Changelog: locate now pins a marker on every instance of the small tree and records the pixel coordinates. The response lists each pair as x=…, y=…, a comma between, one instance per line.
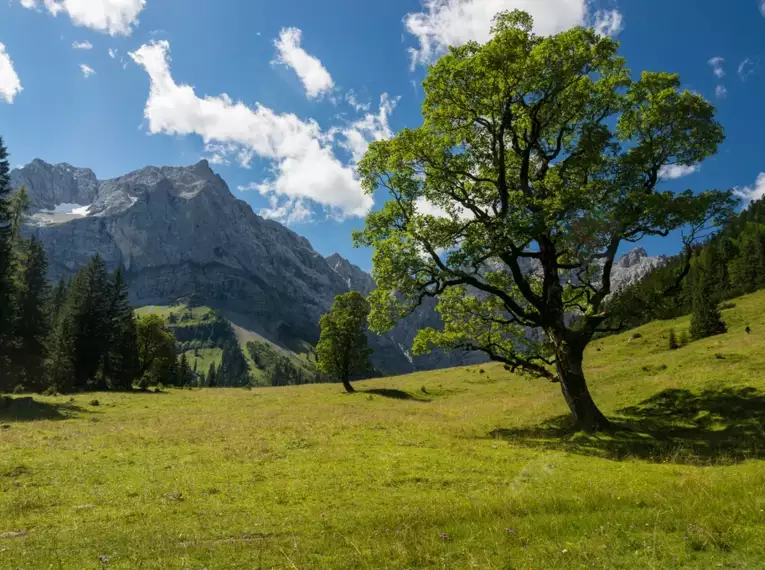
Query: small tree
x=537, y=159
x=156, y=350
x=673, y=344
x=706, y=319
x=342, y=349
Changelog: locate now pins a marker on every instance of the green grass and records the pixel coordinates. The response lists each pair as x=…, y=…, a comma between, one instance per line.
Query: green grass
x=446, y=469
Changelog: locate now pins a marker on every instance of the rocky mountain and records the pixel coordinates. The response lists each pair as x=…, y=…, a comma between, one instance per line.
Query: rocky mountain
x=180, y=235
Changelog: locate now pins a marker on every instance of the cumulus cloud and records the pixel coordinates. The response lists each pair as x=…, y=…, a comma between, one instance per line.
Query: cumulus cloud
x=115, y=17
x=10, y=85
x=751, y=193
x=316, y=79
x=442, y=23
x=718, y=68
x=82, y=45
x=721, y=92
x=674, y=171
x=87, y=71
x=305, y=170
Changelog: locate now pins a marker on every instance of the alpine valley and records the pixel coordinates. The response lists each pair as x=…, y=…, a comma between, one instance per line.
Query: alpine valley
x=181, y=237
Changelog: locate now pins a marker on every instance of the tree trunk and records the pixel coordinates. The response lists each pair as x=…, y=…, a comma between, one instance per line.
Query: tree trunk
x=574, y=386
x=347, y=386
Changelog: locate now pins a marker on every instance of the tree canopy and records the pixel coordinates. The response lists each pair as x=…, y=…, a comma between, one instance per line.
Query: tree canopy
x=538, y=157
x=342, y=349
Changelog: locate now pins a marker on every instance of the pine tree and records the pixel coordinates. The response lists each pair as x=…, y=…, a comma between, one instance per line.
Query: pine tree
x=121, y=357
x=59, y=296
x=91, y=294
x=706, y=319
x=184, y=372
x=80, y=340
x=33, y=323
x=7, y=292
x=211, y=380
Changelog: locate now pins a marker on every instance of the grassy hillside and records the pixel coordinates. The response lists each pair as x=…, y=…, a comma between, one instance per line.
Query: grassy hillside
x=460, y=468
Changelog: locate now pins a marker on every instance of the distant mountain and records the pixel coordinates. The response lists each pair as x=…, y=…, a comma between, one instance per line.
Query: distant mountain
x=181, y=236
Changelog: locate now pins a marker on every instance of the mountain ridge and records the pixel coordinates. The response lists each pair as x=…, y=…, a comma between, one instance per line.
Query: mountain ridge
x=180, y=235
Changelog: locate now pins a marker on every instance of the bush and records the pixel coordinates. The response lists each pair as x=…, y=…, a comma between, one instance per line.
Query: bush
x=673, y=344
x=19, y=389
x=684, y=339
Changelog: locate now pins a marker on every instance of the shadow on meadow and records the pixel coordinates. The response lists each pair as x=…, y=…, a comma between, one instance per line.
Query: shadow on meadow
x=392, y=393
x=28, y=409
x=676, y=426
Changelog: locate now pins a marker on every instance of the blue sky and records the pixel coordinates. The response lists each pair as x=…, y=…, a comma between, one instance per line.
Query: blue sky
x=284, y=96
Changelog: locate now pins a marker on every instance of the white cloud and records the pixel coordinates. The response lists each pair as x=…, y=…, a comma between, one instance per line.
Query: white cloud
x=608, y=22
x=717, y=64
x=82, y=45
x=115, y=17
x=304, y=166
x=351, y=99
x=112, y=53
x=746, y=68
x=674, y=171
x=442, y=23
x=721, y=92
x=10, y=84
x=87, y=71
x=750, y=193
x=762, y=7
x=316, y=79
x=371, y=127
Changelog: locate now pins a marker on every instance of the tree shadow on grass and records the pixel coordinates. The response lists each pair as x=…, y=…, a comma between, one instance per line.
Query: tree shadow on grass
x=395, y=394
x=27, y=409
x=720, y=426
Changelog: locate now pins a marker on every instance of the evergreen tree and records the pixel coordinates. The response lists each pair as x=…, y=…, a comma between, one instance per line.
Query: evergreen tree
x=59, y=296
x=706, y=319
x=82, y=332
x=184, y=372
x=90, y=293
x=7, y=292
x=342, y=347
x=33, y=323
x=121, y=357
x=211, y=380
x=124, y=353
x=233, y=369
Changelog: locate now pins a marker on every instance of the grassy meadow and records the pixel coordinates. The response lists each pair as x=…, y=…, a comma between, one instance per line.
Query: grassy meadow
x=463, y=468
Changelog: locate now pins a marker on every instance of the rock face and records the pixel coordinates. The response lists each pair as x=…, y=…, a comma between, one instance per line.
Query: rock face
x=180, y=235
x=634, y=266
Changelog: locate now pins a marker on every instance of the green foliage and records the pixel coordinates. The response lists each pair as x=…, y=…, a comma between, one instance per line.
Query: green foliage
x=533, y=149
x=706, y=319
x=7, y=289
x=280, y=369
x=156, y=351
x=34, y=320
x=673, y=343
x=342, y=349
